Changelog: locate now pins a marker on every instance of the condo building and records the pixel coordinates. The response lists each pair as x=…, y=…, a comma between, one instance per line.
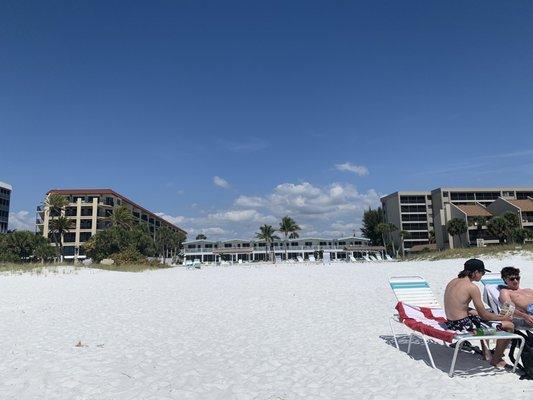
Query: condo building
x=474, y=205
x=235, y=250
x=5, y=198
x=89, y=210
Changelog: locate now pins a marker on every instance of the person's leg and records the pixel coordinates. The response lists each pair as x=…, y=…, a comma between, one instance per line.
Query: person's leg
x=501, y=345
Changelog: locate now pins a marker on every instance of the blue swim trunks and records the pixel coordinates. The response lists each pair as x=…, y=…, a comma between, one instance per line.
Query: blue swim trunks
x=530, y=309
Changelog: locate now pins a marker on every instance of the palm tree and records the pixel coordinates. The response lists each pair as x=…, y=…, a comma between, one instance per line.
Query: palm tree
x=201, y=236
x=385, y=229
x=294, y=235
x=266, y=233
x=403, y=235
x=122, y=217
x=457, y=227
x=56, y=203
x=288, y=226
x=59, y=226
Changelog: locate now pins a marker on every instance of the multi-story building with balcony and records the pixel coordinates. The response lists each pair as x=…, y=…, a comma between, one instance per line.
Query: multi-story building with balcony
x=5, y=199
x=257, y=250
x=410, y=212
x=444, y=203
x=89, y=210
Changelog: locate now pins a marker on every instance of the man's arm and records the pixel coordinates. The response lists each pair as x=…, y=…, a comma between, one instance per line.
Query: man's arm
x=475, y=294
x=505, y=296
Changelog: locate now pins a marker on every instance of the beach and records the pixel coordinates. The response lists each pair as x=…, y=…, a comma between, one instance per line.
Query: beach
x=285, y=331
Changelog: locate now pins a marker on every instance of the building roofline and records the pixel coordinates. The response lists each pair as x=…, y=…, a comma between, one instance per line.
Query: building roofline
x=6, y=186
x=111, y=192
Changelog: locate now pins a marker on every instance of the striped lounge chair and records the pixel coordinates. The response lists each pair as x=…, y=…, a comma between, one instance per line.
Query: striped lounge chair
x=419, y=310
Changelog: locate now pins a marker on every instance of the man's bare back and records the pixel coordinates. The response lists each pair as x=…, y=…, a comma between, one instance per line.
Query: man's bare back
x=457, y=297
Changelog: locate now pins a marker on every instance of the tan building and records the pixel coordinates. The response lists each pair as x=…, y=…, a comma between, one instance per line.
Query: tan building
x=406, y=210
x=90, y=210
x=411, y=212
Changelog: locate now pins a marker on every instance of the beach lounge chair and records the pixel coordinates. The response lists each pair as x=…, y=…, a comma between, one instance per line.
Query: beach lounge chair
x=372, y=258
x=378, y=257
x=388, y=258
x=196, y=263
x=353, y=259
x=366, y=258
x=188, y=264
x=419, y=310
x=300, y=259
x=312, y=259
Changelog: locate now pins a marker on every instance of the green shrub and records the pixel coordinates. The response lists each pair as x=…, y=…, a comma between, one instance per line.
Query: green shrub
x=129, y=255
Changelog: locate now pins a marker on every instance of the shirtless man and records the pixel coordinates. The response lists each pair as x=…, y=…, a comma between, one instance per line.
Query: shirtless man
x=521, y=298
x=458, y=295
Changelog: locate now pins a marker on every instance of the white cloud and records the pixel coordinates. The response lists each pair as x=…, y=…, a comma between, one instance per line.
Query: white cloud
x=360, y=170
x=22, y=221
x=331, y=210
x=250, y=202
x=220, y=182
x=177, y=220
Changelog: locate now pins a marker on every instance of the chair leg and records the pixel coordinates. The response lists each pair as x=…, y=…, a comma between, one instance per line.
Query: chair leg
x=410, y=340
x=429, y=352
x=393, y=333
x=454, y=359
x=522, y=343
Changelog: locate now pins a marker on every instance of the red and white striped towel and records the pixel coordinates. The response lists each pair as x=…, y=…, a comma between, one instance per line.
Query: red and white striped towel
x=429, y=321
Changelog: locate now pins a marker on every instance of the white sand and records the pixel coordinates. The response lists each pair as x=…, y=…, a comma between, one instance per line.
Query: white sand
x=259, y=332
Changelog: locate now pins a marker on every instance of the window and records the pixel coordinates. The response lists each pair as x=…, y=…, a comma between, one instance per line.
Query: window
x=208, y=246
x=86, y=224
x=415, y=226
x=69, y=237
x=84, y=236
x=308, y=243
x=342, y=243
x=144, y=217
x=70, y=211
x=414, y=209
x=86, y=211
x=294, y=244
x=109, y=201
x=69, y=250
x=227, y=245
x=323, y=243
x=152, y=221
x=413, y=199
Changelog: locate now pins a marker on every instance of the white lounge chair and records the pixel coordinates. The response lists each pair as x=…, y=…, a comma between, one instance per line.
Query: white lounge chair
x=372, y=258
x=378, y=257
x=239, y=261
x=388, y=258
x=196, y=263
x=353, y=259
x=366, y=258
x=312, y=259
x=188, y=264
x=300, y=259
x=415, y=302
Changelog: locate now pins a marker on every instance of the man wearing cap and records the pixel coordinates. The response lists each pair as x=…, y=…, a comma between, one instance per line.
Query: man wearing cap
x=457, y=297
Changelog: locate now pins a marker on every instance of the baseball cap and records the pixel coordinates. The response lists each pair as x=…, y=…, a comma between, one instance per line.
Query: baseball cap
x=475, y=265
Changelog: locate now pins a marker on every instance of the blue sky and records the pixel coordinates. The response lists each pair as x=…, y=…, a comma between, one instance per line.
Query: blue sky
x=226, y=115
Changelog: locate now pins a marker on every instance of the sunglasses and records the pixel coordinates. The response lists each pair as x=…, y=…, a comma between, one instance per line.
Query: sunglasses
x=513, y=278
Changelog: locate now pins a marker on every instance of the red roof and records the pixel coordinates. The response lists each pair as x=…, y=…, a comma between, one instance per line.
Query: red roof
x=88, y=192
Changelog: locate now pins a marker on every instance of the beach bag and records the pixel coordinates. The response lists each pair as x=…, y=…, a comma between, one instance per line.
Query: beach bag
x=527, y=354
